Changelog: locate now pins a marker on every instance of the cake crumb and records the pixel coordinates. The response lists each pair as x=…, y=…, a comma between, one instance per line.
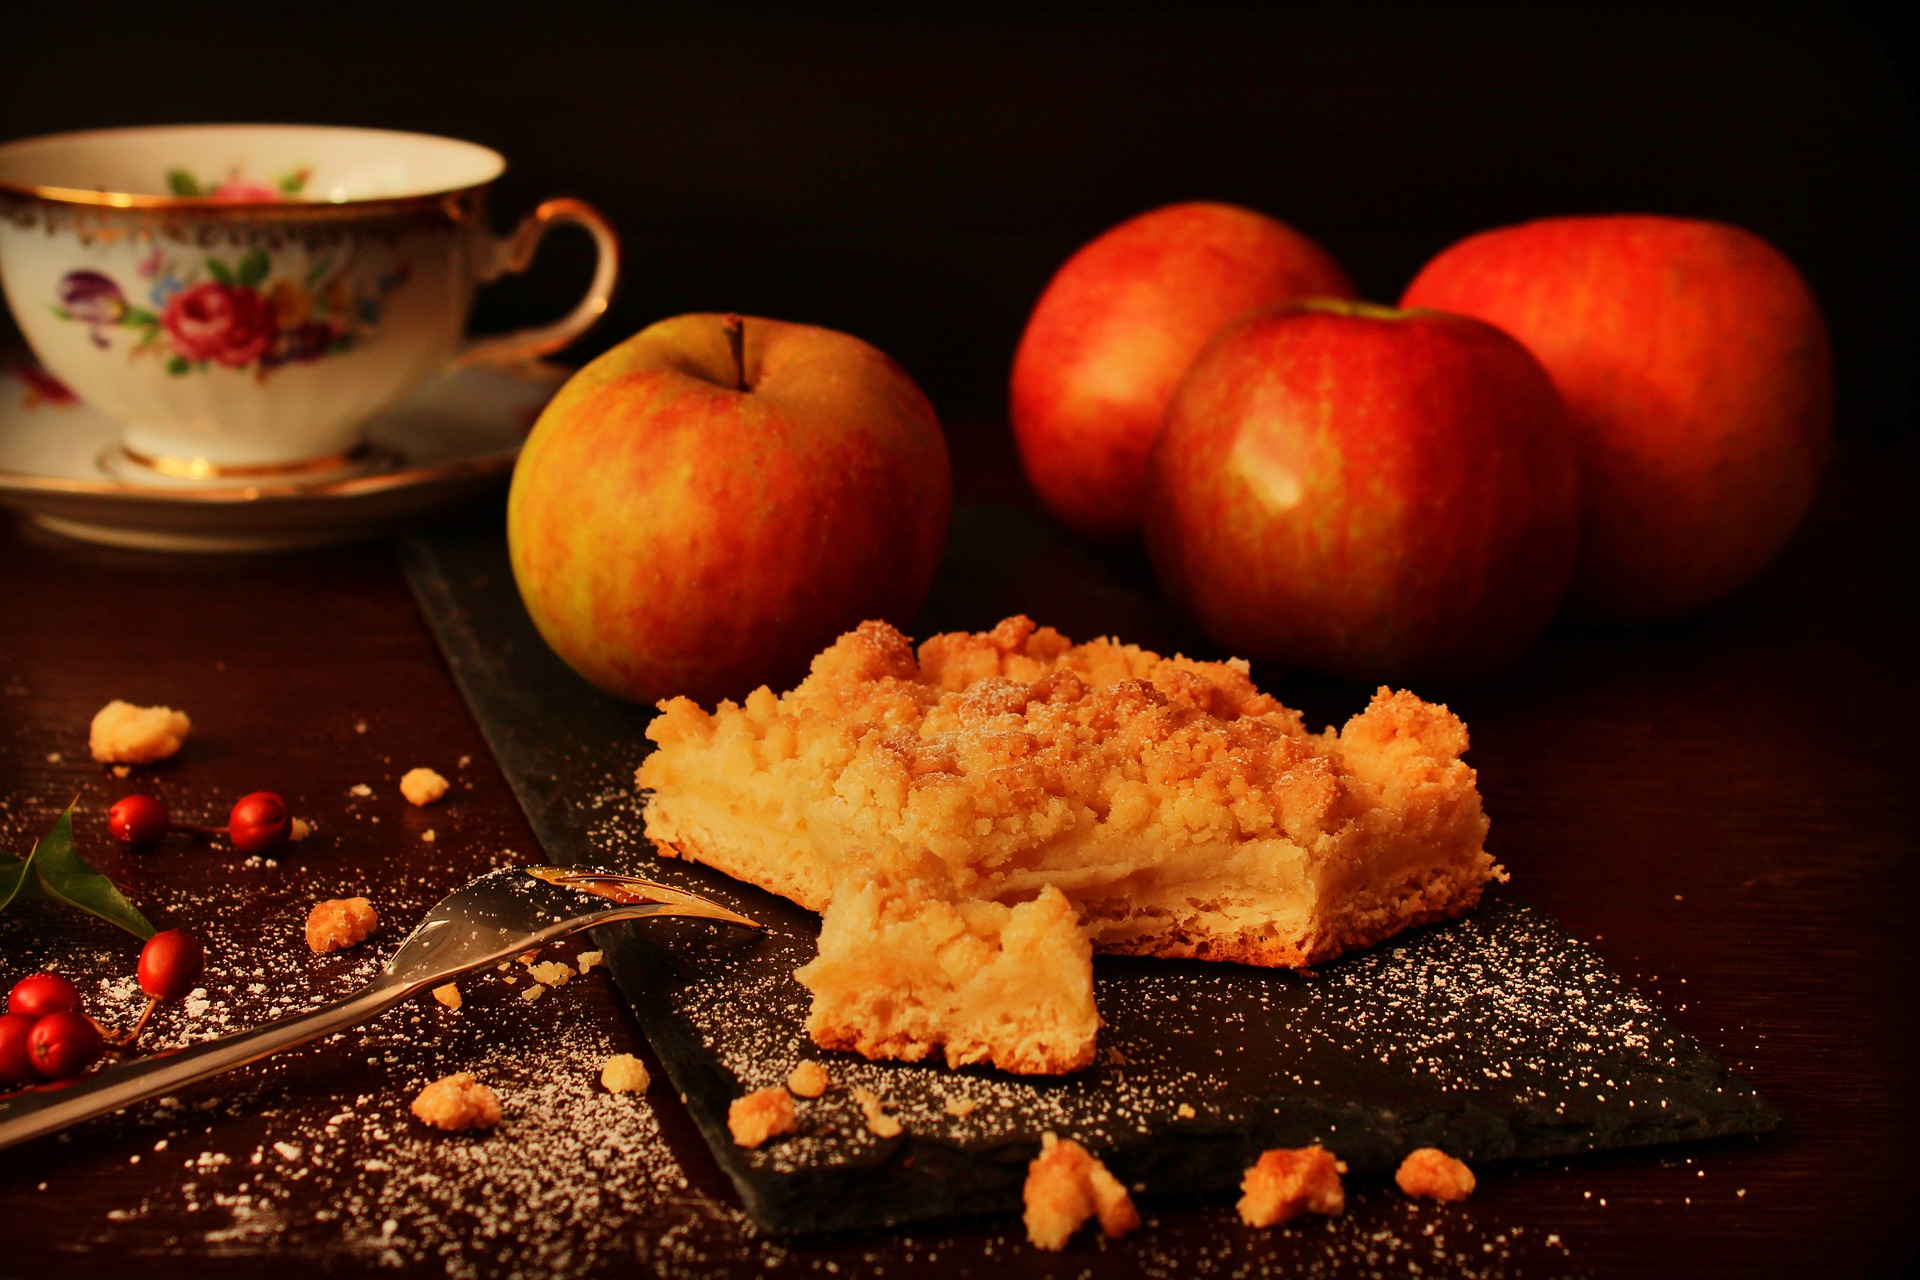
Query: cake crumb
x=533, y=993
x=588, y=959
x=359, y=789
x=761, y=1115
x=960, y=1108
x=1066, y=1186
x=1185, y=1111
x=448, y=995
x=879, y=1123
x=300, y=830
x=122, y=733
x=554, y=973
x=807, y=1080
x=426, y=836
x=457, y=1102
x=1435, y=1175
x=122, y=770
x=422, y=786
x=624, y=1073
x=340, y=922
x=1289, y=1181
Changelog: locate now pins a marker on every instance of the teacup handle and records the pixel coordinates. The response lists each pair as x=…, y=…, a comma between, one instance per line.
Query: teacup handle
x=514, y=253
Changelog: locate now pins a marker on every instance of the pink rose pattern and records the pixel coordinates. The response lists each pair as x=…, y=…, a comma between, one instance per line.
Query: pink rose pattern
x=216, y=312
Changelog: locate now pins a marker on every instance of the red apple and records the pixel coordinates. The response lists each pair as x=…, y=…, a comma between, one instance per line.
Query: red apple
x=1116, y=328
x=1378, y=494
x=702, y=509
x=1693, y=361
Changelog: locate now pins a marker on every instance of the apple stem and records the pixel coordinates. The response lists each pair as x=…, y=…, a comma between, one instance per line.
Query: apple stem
x=737, y=343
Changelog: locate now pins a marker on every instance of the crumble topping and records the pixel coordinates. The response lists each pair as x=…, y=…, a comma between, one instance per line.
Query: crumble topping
x=340, y=922
x=808, y=1080
x=422, y=786
x=760, y=1116
x=458, y=1101
x=1289, y=1181
x=122, y=733
x=1066, y=1186
x=448, y=995
x=1432, y=1173
x=300, y=830
x=879, y=1123
x=552, y=973
x=625, y=1073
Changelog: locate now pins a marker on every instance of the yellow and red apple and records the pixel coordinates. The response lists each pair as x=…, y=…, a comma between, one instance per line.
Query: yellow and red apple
x=1694, y=364
x=708, y=504
x=1373, y=493
x=1116, y=328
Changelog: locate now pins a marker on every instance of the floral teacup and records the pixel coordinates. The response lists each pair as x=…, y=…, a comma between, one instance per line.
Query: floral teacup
x=245, y=297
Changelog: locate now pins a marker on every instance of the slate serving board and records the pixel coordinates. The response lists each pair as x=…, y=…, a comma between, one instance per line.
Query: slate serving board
x=1496, y=1036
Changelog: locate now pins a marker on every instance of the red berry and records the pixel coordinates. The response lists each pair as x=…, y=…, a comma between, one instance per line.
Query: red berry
x=259, y=822
x=39, y=994
x=16, y=1067
x=170, y=964
x=138, y=820
x=62, y=1045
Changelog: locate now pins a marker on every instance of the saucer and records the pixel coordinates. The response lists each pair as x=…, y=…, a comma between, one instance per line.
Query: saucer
x=456, y=436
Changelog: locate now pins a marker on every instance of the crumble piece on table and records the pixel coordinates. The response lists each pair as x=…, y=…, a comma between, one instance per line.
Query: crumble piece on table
x=1289, y=1181
x=458, y=1101
x=808, y=1080
x=422, y=786
x=339, y=923
x=124, y=734
x=1433, y=1174
x=1066, y=1186
x=624, y=1073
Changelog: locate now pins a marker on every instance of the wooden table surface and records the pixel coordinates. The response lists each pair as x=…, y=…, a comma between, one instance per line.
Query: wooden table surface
x=1723, y=806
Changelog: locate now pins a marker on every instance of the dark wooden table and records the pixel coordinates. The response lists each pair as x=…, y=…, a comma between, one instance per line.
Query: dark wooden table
x=1724, y=807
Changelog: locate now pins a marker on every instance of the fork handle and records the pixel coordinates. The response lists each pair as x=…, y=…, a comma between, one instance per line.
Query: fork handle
x=35, y=1112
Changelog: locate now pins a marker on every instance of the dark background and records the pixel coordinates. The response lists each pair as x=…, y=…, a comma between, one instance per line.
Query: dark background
x=915, y=181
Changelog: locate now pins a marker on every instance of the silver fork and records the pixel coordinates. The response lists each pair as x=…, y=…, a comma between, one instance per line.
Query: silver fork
x=495, y=918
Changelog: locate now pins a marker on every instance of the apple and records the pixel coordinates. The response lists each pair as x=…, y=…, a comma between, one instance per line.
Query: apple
x=710, y=503
x=1373, y=493
x=1116, y=328
x=1693, y=360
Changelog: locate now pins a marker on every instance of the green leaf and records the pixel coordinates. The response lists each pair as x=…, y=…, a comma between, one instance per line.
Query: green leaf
x=218, y=270
x=13, y=877
x=181, y=183
x=294, y=182
x=61, y=312
x=65, y=878
x=138, y=319
x=253, y=267
x=178, y=365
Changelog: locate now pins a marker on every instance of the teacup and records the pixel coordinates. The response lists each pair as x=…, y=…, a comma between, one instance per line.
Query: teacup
x=244, y=297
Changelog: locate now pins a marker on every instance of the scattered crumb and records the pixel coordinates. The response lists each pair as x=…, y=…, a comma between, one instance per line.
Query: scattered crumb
x=464, y=762
x=1185, y=1111
x=125, y=734
x=53, y=757
x=588, y=959
x=625, y=1073
x=533, y=993
x=422, y=786
x=359, y=789
x=1065, y=1187
x=1432, y=1173
x=527, y=957
x=554, y=973
x=761, y=1115
x=1289, y=1181
x=427, y=835
x=122, y=770
x=340, y=922
x=808, y=1080
x=961, y=1108
x=457, y=1101
x=879, y=1123
x=359, y=726
x=301, y=829
x=448, y=995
